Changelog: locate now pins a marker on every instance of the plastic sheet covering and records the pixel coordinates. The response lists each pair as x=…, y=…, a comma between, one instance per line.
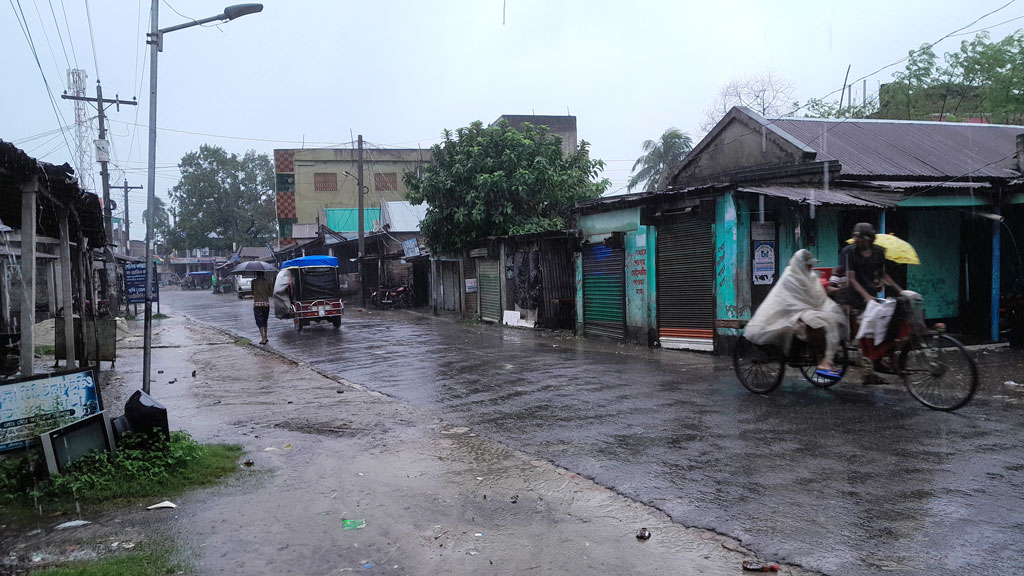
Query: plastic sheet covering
x=316, y=284
x=874, y=322
x=310, y=261
x=282, y=298
x=797, y=302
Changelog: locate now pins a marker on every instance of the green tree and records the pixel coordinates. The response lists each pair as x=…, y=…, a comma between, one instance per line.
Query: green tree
x=498, y=180
x=223, y=199
x=660, y=157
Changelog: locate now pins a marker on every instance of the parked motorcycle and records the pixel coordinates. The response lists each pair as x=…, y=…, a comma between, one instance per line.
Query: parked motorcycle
x=400, y=297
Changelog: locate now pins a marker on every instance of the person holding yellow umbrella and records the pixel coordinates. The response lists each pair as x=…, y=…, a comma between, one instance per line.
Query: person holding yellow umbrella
x=864, y=264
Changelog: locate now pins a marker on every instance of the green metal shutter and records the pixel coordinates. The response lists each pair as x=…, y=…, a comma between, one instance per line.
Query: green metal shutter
x=686, y=278
x=489, y=285
x=604, y=291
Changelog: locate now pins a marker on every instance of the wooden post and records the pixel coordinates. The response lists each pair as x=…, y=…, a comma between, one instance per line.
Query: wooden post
x=28, y=276
x=51, y=289
x=67, y=300
x=462, y=286
x=435, y=281
x=83, y=295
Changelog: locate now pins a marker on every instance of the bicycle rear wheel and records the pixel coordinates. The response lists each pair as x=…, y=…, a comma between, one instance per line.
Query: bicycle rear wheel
x=939, y=372
x=759, y=368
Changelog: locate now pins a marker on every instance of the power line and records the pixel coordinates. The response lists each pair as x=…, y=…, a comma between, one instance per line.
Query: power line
x=23, y=22
x=47, y=38
x=60, y=36
x=68, y=28
x=92, y=39
x=208, y=135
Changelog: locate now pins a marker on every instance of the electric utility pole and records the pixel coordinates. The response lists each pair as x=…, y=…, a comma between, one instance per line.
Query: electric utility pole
x=127, y=221
x=103, y=155
x=362, y=239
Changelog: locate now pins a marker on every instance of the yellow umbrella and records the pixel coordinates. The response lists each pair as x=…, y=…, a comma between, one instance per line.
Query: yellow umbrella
x=896, y=250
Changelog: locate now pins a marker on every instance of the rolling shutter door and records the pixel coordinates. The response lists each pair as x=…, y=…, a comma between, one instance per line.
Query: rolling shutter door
x=488, y=283
x=686, y=283
x=604, y=293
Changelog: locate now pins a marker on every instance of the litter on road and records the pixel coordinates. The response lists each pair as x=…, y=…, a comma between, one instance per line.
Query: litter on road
x=751, y=566
x=164, y=504
x=72, y=524
x=347, y=524
x=643, y=534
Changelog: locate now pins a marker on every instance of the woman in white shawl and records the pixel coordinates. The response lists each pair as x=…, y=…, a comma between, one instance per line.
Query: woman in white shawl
x=798, y=302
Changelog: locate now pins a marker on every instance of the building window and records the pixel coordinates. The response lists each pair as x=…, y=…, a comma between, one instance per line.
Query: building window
x=386, y=182
x=325, y=182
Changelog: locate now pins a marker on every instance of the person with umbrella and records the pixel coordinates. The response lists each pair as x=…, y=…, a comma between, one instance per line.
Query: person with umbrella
x=864, y=265
x=262, y=290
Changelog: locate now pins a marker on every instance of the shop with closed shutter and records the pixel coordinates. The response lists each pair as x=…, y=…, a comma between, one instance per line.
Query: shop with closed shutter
x=686, y=282
x=604, y=291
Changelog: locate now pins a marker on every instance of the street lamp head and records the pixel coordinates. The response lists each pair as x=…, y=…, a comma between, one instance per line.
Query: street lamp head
x=237, y=10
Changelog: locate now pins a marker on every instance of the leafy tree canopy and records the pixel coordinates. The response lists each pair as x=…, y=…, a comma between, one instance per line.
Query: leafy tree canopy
x=223, y=199
x=498, y=180
x=660, y=157
x=983, y=79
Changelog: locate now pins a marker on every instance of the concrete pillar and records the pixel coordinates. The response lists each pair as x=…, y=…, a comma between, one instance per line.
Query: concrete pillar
x=67, y=301
x=28, y=276
x=462, y=286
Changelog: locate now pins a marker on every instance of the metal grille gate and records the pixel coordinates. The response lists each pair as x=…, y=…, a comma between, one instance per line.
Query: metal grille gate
x=489, y=286
x=604, y=291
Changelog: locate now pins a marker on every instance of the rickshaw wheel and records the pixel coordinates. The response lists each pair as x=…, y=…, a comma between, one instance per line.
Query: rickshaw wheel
x=337, y=322
x=939, y=372
x=810, y=364
x=759, y=368
x=298, y=325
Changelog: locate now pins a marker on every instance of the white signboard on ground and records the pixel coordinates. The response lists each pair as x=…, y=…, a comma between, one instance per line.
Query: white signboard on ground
x=37, y=403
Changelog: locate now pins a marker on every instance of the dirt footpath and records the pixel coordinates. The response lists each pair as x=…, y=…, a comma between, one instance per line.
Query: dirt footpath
x=435, y=497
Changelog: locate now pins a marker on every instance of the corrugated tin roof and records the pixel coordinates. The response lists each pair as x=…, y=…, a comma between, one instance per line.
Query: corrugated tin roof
x=255, y=252
x=912, y=149
x=403, y=216
x=819, y=196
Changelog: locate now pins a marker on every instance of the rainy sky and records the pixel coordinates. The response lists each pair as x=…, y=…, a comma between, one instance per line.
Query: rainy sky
x=317, y=72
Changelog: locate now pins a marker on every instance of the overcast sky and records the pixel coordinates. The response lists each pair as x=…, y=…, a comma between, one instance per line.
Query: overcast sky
x=399, y=72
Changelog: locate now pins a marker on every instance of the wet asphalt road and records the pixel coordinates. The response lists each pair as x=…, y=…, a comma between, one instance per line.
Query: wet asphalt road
x=848, y=480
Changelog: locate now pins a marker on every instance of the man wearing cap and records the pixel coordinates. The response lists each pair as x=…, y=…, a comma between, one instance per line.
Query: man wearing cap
x=864, y=263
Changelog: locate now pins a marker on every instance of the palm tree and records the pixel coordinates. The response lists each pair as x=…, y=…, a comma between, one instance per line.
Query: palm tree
x=161, y=220
x=659, y=158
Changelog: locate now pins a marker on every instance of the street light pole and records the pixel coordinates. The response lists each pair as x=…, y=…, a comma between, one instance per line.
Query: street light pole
x=156, y=41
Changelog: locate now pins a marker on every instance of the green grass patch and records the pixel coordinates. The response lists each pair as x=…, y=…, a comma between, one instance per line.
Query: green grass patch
x=45, y=350
x=140, y=469
x=160, y=316
x=242, y=341
x=146, y=561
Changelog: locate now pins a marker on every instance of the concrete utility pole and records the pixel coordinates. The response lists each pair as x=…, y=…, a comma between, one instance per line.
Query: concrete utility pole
x=127, y=220
x=28, y=277
x=103, y=155
x=362, y=235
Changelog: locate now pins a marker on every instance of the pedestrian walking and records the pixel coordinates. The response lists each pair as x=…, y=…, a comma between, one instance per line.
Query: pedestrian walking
x=262, y=290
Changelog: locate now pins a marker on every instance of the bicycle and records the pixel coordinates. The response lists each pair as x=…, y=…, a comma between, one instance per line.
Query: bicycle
x=936, y=368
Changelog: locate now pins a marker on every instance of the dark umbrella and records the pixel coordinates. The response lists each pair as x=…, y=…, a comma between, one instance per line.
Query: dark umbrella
x=253, y=266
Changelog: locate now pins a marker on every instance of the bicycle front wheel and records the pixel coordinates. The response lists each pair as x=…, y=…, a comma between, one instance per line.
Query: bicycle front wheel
x=759, y=368
x=939, y=372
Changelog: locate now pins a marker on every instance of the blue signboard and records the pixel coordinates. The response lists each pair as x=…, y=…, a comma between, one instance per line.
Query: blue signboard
x=33, y=405
x=135, y=283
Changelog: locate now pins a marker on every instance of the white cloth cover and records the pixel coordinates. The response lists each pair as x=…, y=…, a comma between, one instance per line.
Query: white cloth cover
x=797, y=302
x=282, y=299
x=874, y=322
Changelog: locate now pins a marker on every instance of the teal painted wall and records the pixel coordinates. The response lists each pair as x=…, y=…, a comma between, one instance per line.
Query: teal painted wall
x=652, y=285
x=935, y=234
x=744, y=258
x=726, y=240
x=638, y=284
x=828, y=246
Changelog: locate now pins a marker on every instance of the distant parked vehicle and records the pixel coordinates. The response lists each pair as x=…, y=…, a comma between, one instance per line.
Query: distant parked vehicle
x=201, y=280
x=243, y=284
